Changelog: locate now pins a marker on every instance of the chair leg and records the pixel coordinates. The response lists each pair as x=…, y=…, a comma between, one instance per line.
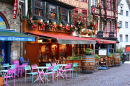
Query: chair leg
x=76, y=71
x=57, y=75
x=47, y=78
x=25, y=78
x=14, y=80
x=32, y=78
x=72, y=73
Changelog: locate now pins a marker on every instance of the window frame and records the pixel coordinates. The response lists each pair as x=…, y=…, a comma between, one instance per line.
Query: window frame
x=121, y=38
x=127, y=13
x=67, y=12
x=120, y=24
x=126, y=38
x=121, y=12
x=56, y=19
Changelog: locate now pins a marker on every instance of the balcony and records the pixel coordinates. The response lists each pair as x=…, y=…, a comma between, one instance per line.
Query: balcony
x=102, y=34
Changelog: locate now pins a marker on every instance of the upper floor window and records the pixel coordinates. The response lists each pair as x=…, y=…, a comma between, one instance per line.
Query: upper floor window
x=52, y=11
x=64, y=13
x=126, y=38
x=126, y=24
x=38, y=8
x=121, y=39
x=94, y=3
x=84, y=0
x=108, y=4
x=120, y=22
x=121, y=12
x=126, y=13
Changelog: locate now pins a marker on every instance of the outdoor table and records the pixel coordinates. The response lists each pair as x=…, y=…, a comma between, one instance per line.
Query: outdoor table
x=1, y=71
x=41, y=72
x=61, y=67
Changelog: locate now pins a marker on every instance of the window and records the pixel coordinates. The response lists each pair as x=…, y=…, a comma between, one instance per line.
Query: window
x=121, y=40
x=126, y=24
x=121, y=12
x=52, y=11
x=126, y=13
x=120, y=22
x=84, y=16
x=108, y=4
x=83, y=0
x=38, y=8
x=94, y=3
x=64, y=13
x=2, y=23
x=126, y=38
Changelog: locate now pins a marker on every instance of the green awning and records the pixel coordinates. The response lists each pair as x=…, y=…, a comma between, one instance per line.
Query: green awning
x=8, y=35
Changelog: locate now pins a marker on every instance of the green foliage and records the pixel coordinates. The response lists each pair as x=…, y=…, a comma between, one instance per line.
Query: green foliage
x=97, y=56
x=111, y=55
x=119, y=50
x=88, y=51
x=73, y=58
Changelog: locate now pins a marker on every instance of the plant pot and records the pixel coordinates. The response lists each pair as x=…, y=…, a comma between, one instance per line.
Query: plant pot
x=73, y=61
x=96, y=60
x=109, y=58
x=1, y=81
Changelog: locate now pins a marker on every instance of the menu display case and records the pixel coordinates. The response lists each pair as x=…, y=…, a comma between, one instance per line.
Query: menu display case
x=62, y=51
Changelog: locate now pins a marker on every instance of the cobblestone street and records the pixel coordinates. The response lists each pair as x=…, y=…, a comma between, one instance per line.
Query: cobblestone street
x=115, y=76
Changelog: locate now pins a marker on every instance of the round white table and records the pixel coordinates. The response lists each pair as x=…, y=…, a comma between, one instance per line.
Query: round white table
x=41, y=72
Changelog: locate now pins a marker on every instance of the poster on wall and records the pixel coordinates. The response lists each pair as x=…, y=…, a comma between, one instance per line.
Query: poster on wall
x=2, y=23
x=15, y=54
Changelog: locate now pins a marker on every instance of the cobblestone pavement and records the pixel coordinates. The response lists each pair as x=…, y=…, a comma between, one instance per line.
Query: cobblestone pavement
x=115, y=76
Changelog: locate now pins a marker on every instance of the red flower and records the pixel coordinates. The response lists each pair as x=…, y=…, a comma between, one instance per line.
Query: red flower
x=32, y=26
x=31, y=12
x=39, y=22
x=31, y=3
x=47, y=11
x=43, y=25
x=47, y=7
x=70, y=15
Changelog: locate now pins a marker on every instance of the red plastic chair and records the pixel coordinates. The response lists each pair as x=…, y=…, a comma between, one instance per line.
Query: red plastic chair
x=10, y=73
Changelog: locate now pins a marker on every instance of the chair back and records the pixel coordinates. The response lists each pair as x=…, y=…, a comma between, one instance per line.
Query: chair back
x=54, y=64
x=6, y=64
x=16, y=62
x=48, y=64
x=75, y=64
x=13, y=66
x=68, y=65
x=50, y=68
x=34, y=67
x=56, y=68
x=27, y=67
x=11, y=71
x=24, y=64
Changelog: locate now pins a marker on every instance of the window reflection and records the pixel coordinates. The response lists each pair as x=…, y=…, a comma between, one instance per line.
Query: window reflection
x=52, y=11
x=52, y=15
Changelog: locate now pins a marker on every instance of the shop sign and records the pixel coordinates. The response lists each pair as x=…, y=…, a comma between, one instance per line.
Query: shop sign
x=16, y=39
x=127, y=48
x=15, y=9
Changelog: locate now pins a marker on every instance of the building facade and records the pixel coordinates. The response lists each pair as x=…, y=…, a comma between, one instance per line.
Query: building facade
x=124, y=20
x=7, y=22
x=104, y=14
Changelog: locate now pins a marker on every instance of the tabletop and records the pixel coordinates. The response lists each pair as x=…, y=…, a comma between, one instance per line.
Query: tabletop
x=6, y=66
x=61, y=64
x=42, y=67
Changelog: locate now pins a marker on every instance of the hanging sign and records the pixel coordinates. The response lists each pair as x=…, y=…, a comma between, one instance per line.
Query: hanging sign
x=15, y=9
x=93, y=9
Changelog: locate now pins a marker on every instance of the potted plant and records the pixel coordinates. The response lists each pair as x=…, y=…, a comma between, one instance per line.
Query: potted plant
x=111, y=56
x=96, y=58
x=71, y=59
x=88, y=51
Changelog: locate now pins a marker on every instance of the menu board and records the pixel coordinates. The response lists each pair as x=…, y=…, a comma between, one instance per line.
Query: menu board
x=102, y=52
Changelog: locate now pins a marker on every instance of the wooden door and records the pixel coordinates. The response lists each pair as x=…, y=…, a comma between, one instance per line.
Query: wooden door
x=33, y=53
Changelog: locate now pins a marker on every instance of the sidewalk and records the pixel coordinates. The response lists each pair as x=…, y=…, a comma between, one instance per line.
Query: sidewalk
x=115, y=76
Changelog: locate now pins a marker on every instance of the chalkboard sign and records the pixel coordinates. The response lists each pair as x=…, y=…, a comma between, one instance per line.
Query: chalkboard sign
x=102, y=52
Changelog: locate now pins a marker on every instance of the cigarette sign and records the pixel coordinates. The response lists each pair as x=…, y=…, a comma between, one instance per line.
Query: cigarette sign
x=15, y=9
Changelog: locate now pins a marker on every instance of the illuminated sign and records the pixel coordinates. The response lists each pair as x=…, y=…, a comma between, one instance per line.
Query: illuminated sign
x=15, y=9
x=127, y=48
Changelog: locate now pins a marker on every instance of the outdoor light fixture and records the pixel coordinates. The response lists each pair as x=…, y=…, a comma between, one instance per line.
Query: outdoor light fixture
x=39, y=40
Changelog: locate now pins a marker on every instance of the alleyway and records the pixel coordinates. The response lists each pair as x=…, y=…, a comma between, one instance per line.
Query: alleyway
x=115, y=76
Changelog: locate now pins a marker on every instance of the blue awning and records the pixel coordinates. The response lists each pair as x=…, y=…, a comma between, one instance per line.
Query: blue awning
x=9, y=35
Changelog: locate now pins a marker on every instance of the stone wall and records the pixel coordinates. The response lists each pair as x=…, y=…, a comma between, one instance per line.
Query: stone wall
x=7, y=10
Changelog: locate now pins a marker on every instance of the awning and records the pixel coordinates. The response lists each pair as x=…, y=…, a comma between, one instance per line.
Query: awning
x=103, y=41
x=65, y=39
x=11, y=35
